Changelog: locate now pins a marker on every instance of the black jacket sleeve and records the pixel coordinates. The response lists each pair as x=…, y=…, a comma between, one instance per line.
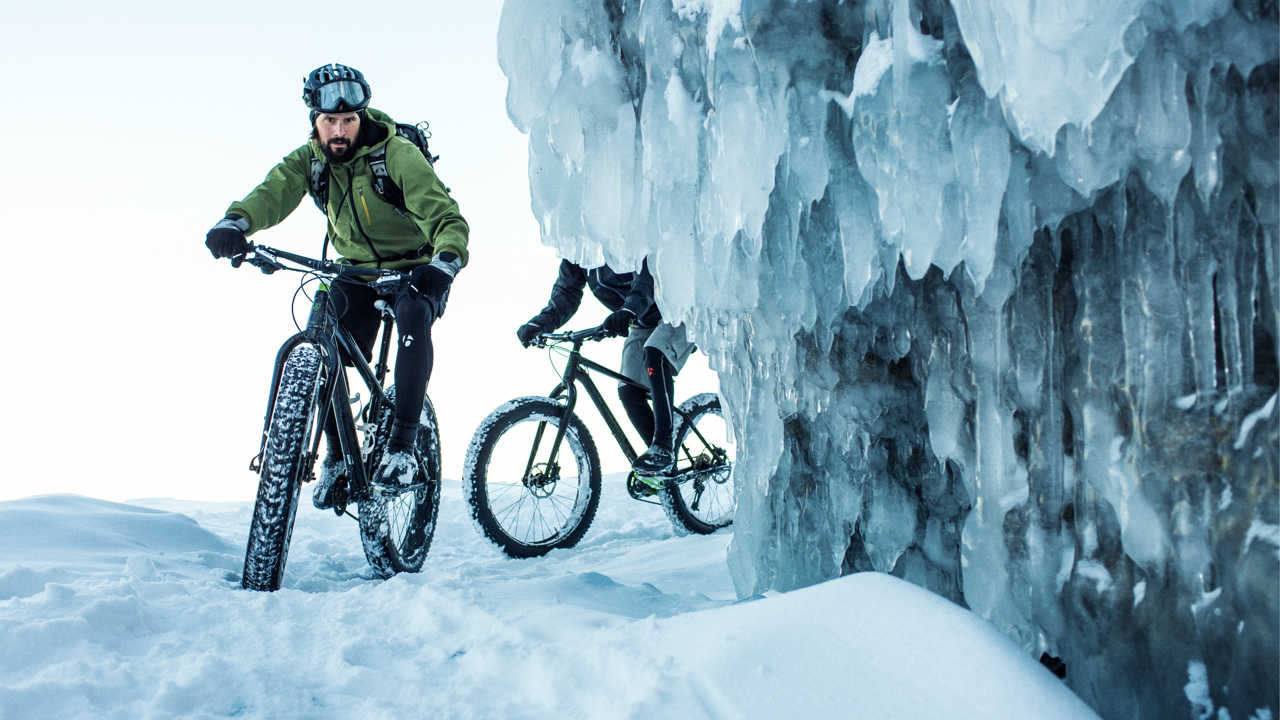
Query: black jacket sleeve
x=640, y=300
x=566, y=296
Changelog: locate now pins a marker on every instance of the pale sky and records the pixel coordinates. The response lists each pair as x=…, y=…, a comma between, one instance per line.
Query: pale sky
x=137, y=365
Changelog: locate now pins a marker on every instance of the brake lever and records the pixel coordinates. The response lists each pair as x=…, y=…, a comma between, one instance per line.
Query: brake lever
x=238, y=259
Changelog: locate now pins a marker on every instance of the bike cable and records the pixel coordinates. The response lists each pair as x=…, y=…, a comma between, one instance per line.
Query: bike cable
x=551, y=360
x=307, y=279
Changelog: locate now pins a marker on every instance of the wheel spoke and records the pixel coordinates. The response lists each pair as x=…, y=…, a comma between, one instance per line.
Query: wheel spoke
x=531, y=518
x=524, y=501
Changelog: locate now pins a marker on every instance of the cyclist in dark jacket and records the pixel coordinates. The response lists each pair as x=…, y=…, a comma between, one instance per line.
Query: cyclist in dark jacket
x=652, y=353
x=630, y=303
x=425, y=235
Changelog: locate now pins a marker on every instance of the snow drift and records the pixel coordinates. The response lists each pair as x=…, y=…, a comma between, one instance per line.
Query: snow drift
x=133, y=612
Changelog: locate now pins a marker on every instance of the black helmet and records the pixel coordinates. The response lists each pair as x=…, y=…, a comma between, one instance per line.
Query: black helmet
x=335, y=88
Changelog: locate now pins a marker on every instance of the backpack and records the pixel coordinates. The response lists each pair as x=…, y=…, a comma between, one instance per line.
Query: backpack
x=383, y=185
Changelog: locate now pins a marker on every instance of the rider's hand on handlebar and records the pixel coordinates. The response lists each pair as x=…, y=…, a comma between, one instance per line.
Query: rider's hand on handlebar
x=619, y=322
x=528, y=332
x=226, y=239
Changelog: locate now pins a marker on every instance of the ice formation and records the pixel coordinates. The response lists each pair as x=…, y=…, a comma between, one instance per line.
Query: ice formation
x=991, y=288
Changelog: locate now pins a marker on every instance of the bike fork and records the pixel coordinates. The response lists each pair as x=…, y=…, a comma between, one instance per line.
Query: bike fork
x=560, y=431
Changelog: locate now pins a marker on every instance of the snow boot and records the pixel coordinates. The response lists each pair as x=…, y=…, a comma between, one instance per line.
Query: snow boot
x=653, y=467
x=332, y=485
x=399, y=467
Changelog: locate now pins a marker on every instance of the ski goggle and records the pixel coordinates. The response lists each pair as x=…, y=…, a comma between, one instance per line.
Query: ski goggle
x=340, y=96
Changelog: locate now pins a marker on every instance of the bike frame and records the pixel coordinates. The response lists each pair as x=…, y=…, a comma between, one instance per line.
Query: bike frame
x=338, y=349
x=577, y=372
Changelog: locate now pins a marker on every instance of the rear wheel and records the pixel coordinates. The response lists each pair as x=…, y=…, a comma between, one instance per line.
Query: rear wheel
x=396, y=530
x=699, y=496
x=521, y=498
x=283, y=463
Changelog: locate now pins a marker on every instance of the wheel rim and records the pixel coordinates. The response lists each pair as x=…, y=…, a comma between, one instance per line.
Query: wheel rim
x=542, y=505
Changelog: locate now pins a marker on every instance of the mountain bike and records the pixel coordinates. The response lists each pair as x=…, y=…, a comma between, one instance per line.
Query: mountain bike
x=396, y=527
x=532, y=475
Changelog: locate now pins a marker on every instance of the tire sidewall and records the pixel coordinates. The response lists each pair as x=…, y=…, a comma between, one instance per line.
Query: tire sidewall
x=475, y=488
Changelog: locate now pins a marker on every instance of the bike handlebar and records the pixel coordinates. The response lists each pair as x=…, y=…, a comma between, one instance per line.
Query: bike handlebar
x=269, y=259
x=594, y=333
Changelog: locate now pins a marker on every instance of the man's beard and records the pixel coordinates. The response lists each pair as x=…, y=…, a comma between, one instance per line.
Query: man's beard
x=338, y=155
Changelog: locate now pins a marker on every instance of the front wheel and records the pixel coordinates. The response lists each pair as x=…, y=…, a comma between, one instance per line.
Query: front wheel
x=283, y=464
x=699, y=496
x=396, y=530
x=529, y=493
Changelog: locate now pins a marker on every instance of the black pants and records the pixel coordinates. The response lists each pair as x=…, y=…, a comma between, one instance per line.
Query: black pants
x=414, y=357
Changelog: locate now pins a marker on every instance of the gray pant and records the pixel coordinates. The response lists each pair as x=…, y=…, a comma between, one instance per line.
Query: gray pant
x=670, y=340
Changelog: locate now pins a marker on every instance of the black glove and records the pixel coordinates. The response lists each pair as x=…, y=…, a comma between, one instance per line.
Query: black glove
x=528, y=332
x=619, y=322
x=226, y=239
x=431, y=282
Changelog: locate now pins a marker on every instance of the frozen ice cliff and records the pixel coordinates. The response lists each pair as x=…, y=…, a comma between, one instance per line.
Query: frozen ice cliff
x=991, y=287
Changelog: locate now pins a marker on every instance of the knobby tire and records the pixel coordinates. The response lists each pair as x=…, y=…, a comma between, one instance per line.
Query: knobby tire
x=528, y=515
x=280, y=477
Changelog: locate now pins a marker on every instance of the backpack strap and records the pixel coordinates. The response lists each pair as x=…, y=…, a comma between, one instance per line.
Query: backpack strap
x=383, y=185
x=318, y=183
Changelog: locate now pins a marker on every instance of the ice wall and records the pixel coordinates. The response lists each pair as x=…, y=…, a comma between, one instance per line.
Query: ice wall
x=991, y=287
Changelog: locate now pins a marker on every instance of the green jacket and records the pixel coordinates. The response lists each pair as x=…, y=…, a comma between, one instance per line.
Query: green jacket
x=362, y=227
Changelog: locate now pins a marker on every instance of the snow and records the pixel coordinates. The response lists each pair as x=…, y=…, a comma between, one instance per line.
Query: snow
x=134, y=610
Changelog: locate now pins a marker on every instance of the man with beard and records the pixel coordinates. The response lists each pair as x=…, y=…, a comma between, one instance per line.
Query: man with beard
x=386, y=209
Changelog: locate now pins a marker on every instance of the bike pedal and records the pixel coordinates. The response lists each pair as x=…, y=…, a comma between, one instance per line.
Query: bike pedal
x=394, y=491
x=654, y=481
x=339, y=499
x=639, y=489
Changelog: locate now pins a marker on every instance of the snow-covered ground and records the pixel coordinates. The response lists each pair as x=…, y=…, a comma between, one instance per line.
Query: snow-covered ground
x=134, y=611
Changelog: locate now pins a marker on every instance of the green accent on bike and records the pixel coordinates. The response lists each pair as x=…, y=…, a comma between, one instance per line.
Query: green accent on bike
x=639, y=490
x=324, y=287
x=656, y=482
